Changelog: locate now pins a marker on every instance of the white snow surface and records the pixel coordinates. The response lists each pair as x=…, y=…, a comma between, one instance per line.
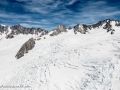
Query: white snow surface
x=65, y=62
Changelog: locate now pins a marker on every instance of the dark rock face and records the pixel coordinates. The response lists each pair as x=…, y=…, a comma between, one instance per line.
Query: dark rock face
x=18, y=29
x=84, y=28
x=80, y=28
x=117, y=23
x=99, y=24
x=58, y=30
x=25, y=48
x=108, y=26
x=112, y=32
x=3, y=29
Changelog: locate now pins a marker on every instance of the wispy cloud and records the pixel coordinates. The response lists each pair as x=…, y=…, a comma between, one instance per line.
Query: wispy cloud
x=49, y=13
x=70, y=2
x=42, y=6
x=4, y=2
x=14, y=16
x=91, y=12
x=98, y=10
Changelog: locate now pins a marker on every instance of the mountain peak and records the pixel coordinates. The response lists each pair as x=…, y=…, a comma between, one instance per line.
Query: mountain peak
x=58, y=30
x=108, y=25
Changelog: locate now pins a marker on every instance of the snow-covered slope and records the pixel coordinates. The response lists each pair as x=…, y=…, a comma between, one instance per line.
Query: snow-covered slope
x=67, y=61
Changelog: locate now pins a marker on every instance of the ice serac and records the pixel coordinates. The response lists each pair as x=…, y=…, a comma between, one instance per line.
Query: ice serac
x=58, y=30
x=25, y=48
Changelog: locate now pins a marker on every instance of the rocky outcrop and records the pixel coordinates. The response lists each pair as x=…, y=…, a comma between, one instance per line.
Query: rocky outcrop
x=61, y=28
x=9, y=36
x=44, y=32
x=117, y=23
x=58, y=30
x=25, y=48
x=108, y=26
x=82, y=28
x=3, y=29
x=112, y=32
x=18, y=29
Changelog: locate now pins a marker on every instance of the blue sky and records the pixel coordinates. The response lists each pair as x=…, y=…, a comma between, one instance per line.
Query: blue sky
x=48, y=14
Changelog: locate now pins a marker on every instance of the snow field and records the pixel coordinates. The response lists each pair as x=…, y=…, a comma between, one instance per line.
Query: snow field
x=63, y=62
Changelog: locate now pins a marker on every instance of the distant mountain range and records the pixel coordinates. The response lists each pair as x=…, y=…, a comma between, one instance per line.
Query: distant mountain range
x=82, y=28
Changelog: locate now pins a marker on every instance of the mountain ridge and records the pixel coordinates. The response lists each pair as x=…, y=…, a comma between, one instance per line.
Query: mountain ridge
x=82, y=28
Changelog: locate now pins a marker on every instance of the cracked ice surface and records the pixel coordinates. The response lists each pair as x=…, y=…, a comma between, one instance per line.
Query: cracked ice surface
x=65, y=62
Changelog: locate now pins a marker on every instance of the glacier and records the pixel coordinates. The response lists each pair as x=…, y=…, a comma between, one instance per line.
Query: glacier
x=67, y=61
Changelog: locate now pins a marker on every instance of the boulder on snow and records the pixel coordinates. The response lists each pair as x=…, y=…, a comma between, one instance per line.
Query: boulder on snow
x=112, y=32
x=25, y=48
x=3, y=29
x=9, y=36
x=38, y=38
